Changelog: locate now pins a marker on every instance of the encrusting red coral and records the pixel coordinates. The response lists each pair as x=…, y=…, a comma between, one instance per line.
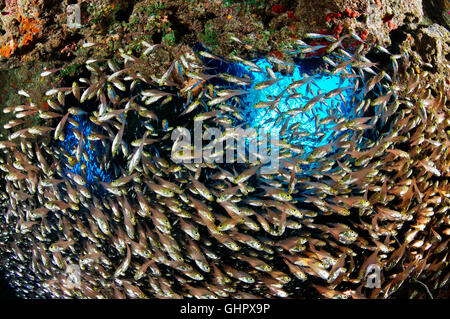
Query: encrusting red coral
x=278, y=8
x=29, y=29
x=7, y=49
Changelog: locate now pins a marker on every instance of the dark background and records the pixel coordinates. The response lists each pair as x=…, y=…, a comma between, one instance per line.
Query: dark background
x=6, y=292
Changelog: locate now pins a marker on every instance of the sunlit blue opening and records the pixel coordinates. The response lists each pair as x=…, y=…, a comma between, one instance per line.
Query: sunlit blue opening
x=337, y=106
x=312, y=133
x=94, y=149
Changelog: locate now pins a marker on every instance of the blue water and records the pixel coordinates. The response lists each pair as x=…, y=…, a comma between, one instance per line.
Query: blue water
x=339, y=106
x=94, y=149
x=267, y=118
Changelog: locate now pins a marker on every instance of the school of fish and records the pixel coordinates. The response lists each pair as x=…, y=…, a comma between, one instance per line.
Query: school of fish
x=377, y=195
